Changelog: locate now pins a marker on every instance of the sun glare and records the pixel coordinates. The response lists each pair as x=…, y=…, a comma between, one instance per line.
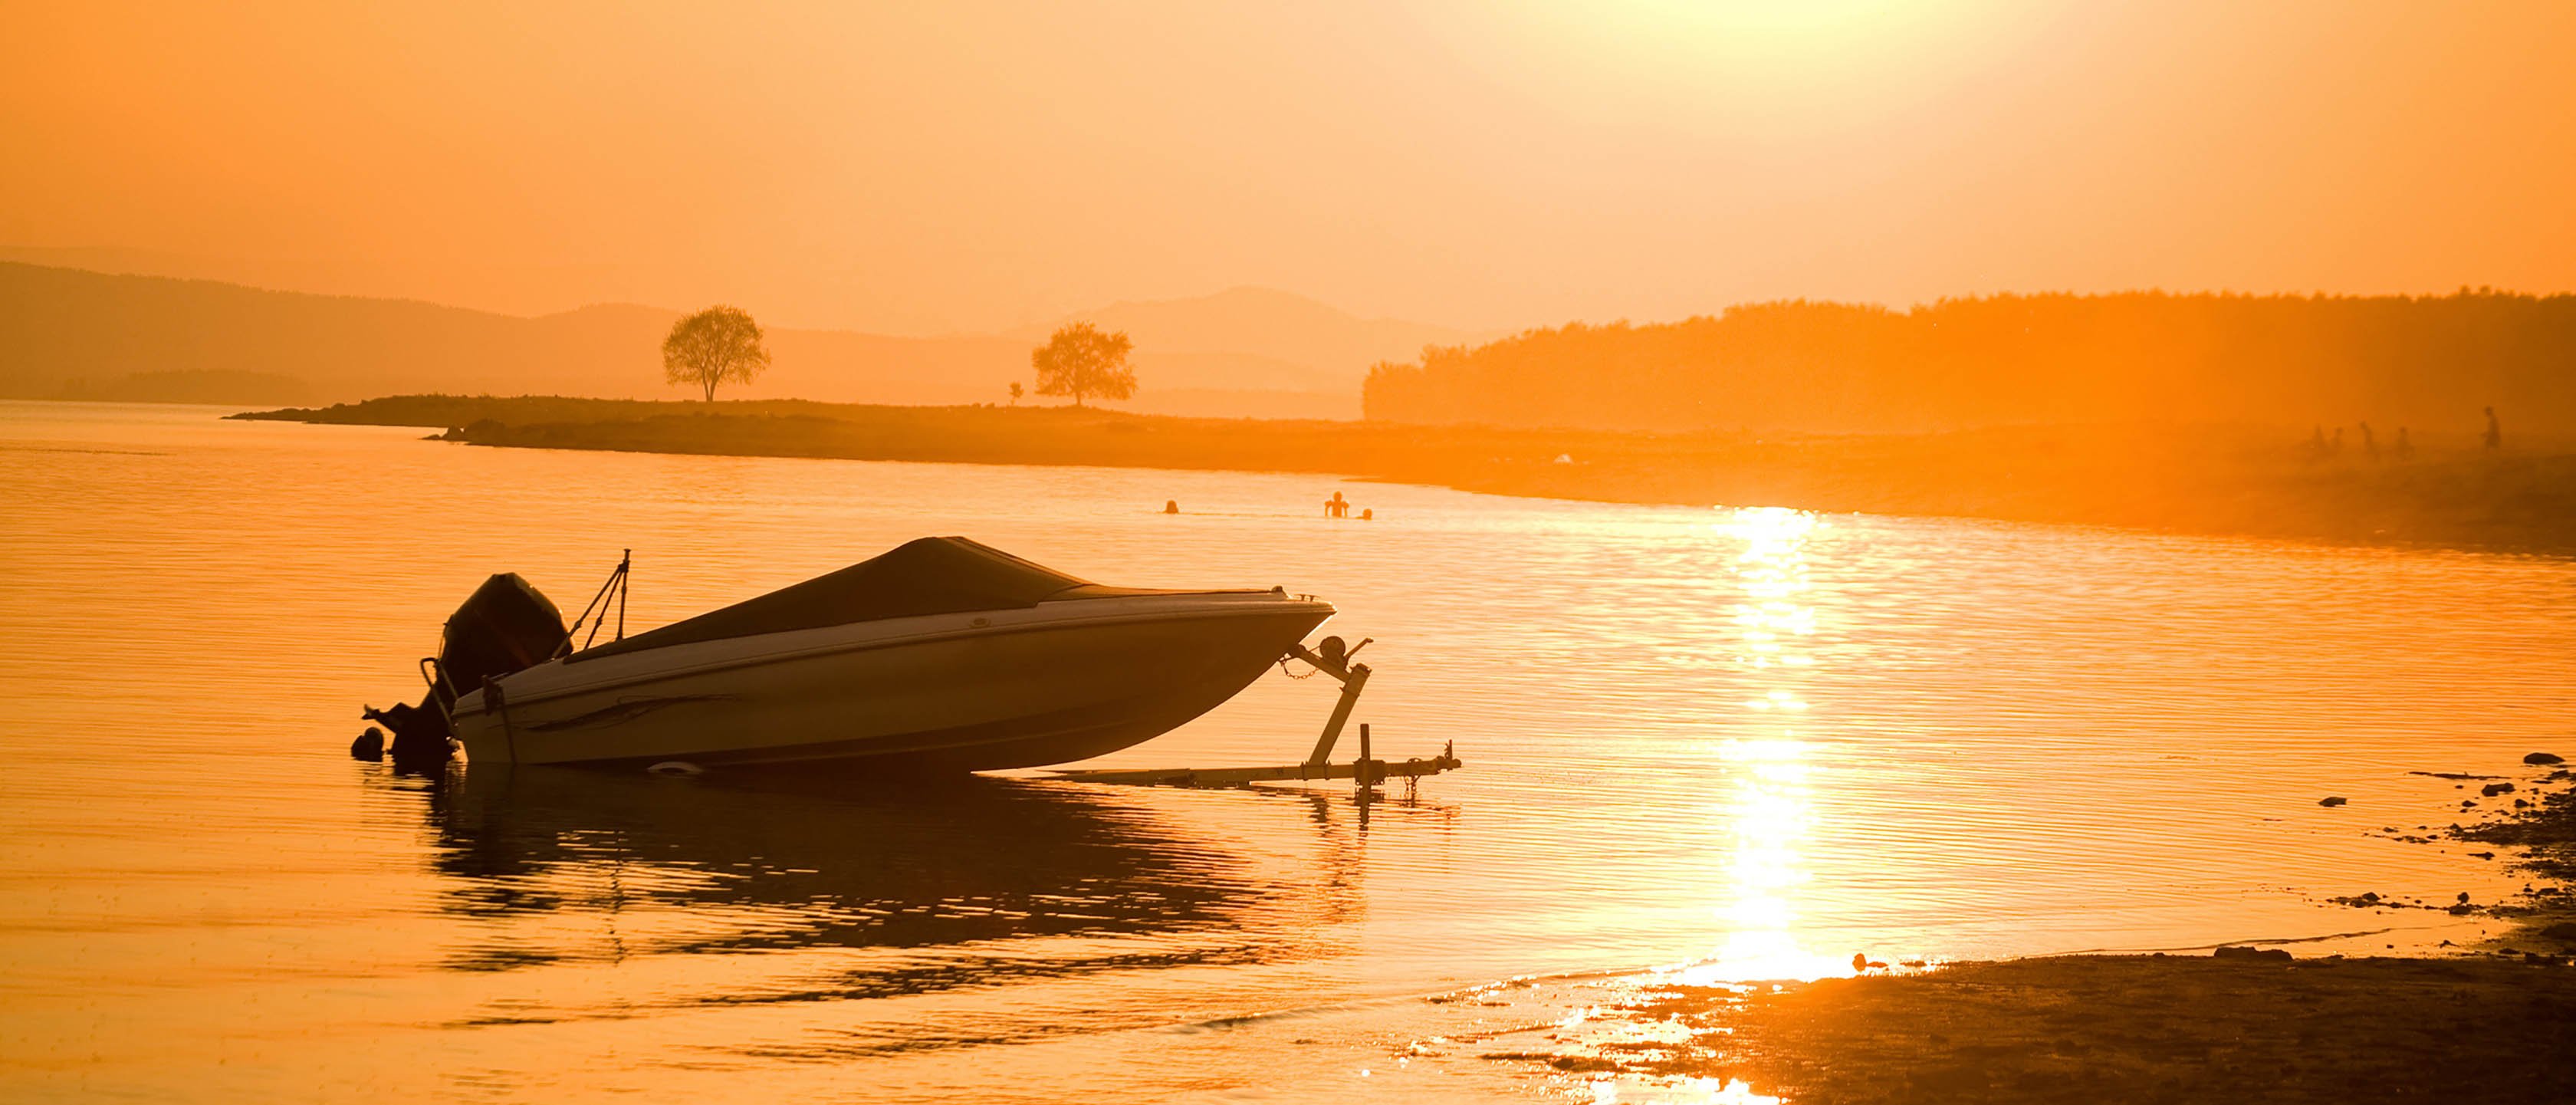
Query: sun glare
x=1770, y=809
x=1709, y=44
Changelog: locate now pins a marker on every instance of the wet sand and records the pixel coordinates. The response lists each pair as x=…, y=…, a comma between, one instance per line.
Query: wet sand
x=2524, y=816
x=2535, y=823
x=2118, y=1028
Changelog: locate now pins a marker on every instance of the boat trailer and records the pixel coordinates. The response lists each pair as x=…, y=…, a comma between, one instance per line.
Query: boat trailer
x=1328, y=657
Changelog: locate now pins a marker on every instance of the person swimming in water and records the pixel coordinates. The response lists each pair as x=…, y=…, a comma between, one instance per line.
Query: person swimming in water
x=1337, y=507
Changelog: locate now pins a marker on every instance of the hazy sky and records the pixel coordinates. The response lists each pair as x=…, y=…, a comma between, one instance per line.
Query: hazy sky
x=935, y=166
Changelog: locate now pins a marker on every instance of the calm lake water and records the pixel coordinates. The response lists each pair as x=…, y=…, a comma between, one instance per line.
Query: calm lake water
x=1746, y=743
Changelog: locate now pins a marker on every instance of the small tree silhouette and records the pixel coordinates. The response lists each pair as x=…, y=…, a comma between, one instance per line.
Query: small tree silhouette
x=1015, y=393
x=713, y=346
x=1080, y=360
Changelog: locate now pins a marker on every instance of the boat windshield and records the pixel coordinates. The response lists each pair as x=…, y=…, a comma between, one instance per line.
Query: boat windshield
x=934, y=575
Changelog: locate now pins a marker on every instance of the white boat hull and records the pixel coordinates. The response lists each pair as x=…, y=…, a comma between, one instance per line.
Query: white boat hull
x=1055, y=683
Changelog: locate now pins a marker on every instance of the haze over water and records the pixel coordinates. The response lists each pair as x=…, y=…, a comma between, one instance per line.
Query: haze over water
x=1756, y=740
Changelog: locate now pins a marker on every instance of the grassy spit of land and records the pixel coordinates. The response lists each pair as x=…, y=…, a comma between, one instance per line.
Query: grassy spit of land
x=2188, y=480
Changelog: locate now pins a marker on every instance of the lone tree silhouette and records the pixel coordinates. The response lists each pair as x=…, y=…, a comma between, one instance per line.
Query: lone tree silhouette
x=713, y=346
x=1080, y=360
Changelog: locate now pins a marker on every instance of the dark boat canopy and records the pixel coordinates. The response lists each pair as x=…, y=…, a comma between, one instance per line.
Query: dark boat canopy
x=933, y=575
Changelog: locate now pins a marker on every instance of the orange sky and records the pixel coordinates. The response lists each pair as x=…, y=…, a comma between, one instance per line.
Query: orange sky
x=927, y=167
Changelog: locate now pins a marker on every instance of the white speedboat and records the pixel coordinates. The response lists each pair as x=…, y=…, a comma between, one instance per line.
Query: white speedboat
x=941, y=655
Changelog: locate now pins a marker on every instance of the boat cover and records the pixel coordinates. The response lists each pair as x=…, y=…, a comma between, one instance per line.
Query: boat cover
x=933, y=575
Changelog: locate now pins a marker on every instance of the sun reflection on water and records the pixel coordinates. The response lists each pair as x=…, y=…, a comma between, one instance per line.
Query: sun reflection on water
x=1770, y=808
x=1694, y=1091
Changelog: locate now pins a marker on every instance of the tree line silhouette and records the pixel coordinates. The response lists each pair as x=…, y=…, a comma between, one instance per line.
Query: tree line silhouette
x=2431, y=362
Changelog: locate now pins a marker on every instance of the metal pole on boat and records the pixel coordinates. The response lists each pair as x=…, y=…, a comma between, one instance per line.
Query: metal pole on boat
x=1360, y=771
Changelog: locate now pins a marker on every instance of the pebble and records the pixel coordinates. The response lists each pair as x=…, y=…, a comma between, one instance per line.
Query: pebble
x=2542, y=759
x=2332, y=800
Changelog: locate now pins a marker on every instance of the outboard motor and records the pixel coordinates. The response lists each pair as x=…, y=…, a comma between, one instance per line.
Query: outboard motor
x=506, y=625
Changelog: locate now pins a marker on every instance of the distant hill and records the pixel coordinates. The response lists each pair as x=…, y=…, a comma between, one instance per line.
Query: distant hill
x=68, y=333
x=213, y=385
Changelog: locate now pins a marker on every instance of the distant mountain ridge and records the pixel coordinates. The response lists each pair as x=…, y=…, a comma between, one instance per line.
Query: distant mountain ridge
x=68, y=333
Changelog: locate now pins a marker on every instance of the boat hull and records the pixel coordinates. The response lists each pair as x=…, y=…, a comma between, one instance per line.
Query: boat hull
x=1007, y=689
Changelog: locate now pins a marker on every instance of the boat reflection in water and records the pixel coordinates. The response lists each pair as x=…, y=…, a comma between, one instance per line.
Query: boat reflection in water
x=768, y=887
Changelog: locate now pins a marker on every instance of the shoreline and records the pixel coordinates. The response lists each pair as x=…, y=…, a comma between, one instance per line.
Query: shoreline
x=2496, y=1022
x=2210, y=481
x=2236, y=1025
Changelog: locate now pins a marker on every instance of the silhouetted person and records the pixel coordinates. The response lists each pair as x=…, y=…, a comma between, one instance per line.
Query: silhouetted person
x=1336, y=507
x=2404, y=448
x=1171, y=506
x=2337, y=447
x=2317, y=443
x=2495, y=433
x=2369, y=442
x=1368, y=514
